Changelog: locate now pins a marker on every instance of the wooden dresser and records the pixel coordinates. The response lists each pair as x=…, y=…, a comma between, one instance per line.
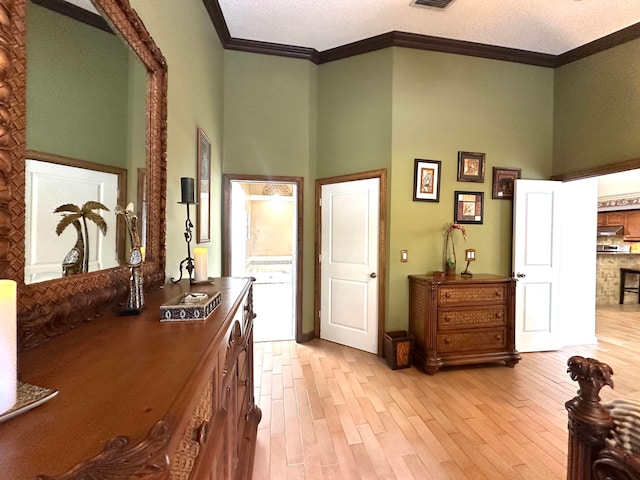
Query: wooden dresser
x=140, y=398
x=460, y=320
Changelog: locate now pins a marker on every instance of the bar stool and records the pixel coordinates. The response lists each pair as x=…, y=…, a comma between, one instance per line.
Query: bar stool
x=623, y=275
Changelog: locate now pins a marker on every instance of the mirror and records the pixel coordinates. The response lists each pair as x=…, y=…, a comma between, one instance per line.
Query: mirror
x=85, y=114
x=52, y=307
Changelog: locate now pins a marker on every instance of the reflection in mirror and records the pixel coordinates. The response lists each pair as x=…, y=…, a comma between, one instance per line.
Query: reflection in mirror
x=47, y=309
x=86, y=100
x=53, y=181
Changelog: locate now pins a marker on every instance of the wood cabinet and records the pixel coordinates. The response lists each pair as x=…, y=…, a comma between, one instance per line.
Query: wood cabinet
x=629, y=219
x=632, y=225
x=460, y=320
x=611, y=218
x=140, y=398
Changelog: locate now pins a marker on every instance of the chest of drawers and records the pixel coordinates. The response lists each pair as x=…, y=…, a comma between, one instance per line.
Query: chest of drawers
x=459, y=320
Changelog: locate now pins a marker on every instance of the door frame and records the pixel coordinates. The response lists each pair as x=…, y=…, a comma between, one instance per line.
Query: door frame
x=382, y=246
x=227, y=179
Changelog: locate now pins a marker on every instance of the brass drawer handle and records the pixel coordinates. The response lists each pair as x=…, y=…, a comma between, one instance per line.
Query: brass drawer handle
x=447, y=295
x=447, y=318
x=447, y=340
x=202, y=433
x=498, y=293
x=498, y=337
x=498, y=314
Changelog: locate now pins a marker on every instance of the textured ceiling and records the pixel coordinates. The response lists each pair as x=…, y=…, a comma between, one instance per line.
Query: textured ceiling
x=543, y=26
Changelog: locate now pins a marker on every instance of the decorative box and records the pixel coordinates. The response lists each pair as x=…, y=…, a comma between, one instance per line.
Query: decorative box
x=189, y=306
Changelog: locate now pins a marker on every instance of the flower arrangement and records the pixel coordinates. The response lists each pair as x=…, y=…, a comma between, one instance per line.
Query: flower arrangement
x=450, y=247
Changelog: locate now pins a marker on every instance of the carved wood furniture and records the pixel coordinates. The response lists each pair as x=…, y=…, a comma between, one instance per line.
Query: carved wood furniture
x=594, y=428
x=140, y=398
x=460, y=320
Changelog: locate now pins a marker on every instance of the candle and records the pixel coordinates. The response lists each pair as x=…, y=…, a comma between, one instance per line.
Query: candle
x=8, y=345
x=143, y=252
x=187, y=186
x=201, y=258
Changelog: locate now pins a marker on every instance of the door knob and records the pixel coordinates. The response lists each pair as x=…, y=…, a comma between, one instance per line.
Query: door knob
x=520, y=275
x=373, y=275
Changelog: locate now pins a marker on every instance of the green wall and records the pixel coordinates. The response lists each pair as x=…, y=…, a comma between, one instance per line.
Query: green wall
x=77, y=89
x=382, y=110
x=443, y=104
x=354, y=114
x=597, y=106
x=270, y=129
x=189, y=42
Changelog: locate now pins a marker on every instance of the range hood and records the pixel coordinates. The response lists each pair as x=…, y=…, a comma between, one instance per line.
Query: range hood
x=610, y=230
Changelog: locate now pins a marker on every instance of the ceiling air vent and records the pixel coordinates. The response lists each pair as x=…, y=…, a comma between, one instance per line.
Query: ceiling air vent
x=434, y=3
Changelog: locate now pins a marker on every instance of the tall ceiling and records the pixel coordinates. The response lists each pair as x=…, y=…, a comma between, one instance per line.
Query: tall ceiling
x=543, y=26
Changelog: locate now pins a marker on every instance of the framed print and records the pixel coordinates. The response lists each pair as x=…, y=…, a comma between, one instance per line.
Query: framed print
x=471, y=167
x=503, y=179
x=468, y=207
x=426, y=180
x=203, y=193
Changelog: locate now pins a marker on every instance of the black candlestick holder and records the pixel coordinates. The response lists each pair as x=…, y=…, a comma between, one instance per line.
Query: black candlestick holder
x=188, y=262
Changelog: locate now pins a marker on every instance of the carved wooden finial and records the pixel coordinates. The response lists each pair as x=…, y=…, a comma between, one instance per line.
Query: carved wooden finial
x=591, y=375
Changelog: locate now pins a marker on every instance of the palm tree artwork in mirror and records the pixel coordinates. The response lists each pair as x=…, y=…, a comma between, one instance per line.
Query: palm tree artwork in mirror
x=77, y=260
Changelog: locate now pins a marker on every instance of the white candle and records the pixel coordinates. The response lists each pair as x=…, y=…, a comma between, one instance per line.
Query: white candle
x=8, y=345
x=201, y=258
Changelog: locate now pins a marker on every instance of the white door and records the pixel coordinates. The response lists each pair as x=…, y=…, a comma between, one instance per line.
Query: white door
x=536, y=264
x=349, y=261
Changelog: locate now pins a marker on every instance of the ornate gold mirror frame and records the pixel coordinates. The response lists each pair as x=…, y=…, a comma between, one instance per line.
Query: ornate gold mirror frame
x=49, y=308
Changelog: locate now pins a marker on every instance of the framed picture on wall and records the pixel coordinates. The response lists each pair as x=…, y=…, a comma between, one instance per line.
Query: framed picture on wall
x=468, y=207
x=426, y=180
x=503, y=179
x=203, y=189
x=471, y=167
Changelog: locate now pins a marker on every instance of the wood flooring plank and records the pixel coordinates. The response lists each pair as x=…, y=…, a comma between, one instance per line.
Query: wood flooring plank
x=330, y=411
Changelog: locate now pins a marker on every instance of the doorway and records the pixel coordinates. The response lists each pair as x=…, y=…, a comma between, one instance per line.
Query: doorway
x=262, y=235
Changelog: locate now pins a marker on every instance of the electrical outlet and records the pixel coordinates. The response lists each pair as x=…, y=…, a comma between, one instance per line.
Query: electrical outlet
x=404, y=256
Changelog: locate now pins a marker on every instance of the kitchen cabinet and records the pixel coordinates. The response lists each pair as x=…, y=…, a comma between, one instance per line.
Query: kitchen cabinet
x=632, y=225
x=459, y=320
x=611, y=218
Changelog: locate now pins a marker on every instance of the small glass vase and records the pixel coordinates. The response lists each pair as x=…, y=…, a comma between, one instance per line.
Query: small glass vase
x=450, y=269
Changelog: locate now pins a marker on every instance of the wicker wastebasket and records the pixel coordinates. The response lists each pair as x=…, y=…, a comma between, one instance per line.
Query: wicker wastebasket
x=397, y=349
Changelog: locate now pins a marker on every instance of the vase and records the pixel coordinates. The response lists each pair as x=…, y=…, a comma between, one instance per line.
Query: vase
x=449, y=255
x=449, y=268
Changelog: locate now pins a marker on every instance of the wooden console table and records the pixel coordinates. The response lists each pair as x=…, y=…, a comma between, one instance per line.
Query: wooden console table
x=142, y=398
x=460, y=320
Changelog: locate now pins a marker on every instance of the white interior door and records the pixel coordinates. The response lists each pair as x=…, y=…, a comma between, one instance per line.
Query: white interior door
x=554, y=260
x=349, y=260
x=536, y=263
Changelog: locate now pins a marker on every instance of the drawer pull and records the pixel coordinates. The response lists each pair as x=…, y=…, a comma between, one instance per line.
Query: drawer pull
x=498, y=314
x=447, y=295
x=498, y=337
x=498, y=293
x=447, y=340
x=447, y=318
x=202, y=433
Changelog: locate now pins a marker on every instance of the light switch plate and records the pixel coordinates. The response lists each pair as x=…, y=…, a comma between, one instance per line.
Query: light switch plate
x=404, y=256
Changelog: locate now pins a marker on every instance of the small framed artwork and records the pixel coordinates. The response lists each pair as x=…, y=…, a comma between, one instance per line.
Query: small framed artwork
x=203, y=194
x=468, y=207
x=503, y=179
x=471, y=167
x=426, y=180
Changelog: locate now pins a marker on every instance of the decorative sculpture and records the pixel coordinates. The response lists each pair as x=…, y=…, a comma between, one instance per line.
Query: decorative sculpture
x=74, y=260
x=71, y=214
x=135, y=303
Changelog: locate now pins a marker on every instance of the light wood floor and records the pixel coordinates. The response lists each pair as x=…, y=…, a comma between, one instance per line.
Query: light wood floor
x=332, y=412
